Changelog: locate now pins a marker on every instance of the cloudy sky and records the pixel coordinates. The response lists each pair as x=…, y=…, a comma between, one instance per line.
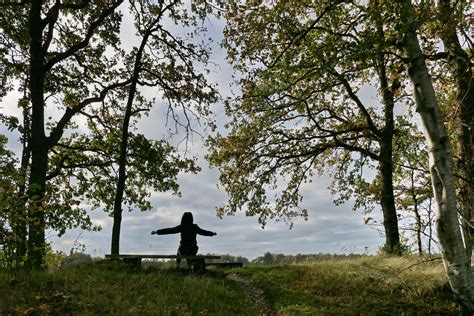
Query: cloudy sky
x=330, y=228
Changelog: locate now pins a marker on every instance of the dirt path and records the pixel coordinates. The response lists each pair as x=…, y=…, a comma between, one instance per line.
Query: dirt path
x=254, y=293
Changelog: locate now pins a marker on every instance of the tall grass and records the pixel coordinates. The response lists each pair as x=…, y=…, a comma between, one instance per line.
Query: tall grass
x=363, y=286
x=109, y=289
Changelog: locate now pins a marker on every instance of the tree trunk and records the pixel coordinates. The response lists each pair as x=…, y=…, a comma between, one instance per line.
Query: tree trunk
x=441, y=166
x=430, y=227
x=462, y=71
x=417, y=213
x=117, y=212
x=390, y=219
x=20, y=210
x=387, y=199
x=36, y=216
x=39, y=144
x=122, y=177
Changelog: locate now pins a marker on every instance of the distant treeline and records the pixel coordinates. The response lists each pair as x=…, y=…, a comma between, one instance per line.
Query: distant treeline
x=56, y=260
x=274, y=258
x=266, y=258
x=279, y=258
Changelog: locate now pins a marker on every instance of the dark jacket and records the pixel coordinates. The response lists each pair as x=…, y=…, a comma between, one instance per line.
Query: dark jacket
x=188, y=233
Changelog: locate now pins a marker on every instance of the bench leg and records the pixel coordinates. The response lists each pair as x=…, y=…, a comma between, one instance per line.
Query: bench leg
x=133, y=262
x=199, y=265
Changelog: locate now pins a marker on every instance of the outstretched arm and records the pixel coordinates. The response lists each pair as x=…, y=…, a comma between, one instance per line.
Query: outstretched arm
x=166, y=231
x=204, y=232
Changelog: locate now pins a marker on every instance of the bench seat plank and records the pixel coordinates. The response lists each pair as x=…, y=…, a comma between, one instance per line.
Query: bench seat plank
x=141, y=256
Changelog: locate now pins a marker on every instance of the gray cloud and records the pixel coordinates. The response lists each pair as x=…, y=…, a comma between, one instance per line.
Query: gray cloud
x=330, y=229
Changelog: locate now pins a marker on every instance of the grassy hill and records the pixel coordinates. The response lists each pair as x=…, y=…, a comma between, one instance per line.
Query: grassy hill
x=367, y=286
x=364, y=286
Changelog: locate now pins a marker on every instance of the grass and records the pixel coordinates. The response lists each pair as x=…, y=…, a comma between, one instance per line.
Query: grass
x=98, y=289
x=363, y=286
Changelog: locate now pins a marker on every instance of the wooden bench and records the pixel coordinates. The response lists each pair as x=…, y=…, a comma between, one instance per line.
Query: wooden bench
x=198, y=261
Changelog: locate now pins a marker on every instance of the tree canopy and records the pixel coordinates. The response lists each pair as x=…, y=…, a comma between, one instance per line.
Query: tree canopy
x=304, y=66
x=74, y=68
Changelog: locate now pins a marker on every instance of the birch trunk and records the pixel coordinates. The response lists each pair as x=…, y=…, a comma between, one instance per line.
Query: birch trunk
x=461, y=68
x=450, y=237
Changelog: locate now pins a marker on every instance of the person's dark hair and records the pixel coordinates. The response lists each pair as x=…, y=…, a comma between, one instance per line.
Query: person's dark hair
x=187, y=218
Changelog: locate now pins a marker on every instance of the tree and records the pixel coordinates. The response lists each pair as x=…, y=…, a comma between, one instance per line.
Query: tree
x=14, y=67
x=8, y=183
x=174, y=74
x=64, y=41
x=19, y=216
x=74, y=62
x=441, y=162
x=450, y=16
x=110, y=164
x=301, y=111
x=413, y=185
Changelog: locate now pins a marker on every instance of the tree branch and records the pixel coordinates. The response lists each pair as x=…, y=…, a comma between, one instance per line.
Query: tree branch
x=58, y=130
x=58, y=57
x=358, y=102
x=299, y=37
x=359, y=149
x=49, y=21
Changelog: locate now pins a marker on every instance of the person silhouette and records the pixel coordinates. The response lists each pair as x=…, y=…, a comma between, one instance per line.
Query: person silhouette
x=189, y=230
